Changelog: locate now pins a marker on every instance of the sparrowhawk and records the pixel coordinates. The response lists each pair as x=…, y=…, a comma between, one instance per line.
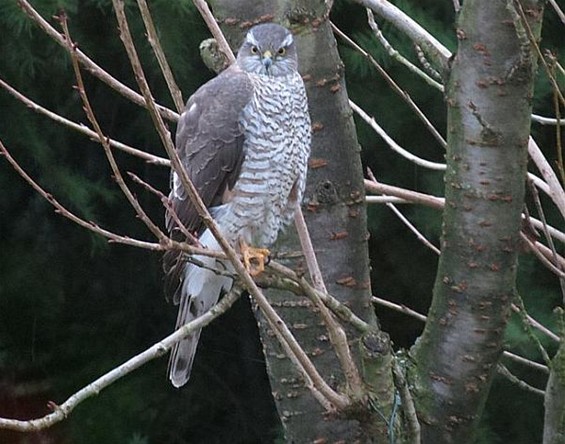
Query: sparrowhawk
x=244, y=140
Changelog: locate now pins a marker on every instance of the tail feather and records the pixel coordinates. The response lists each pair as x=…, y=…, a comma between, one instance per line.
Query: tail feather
x=200, y=291
x=182, y=356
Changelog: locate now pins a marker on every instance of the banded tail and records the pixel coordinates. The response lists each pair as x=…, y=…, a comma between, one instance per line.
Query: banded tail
x=201, y=289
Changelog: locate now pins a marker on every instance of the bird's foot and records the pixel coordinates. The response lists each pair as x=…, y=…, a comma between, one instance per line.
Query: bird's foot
x=254, y=259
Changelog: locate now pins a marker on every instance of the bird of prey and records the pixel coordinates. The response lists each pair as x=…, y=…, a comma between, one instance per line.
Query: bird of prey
x=244, y=140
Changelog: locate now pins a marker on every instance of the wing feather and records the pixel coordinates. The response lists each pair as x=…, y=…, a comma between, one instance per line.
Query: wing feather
x=209, y=141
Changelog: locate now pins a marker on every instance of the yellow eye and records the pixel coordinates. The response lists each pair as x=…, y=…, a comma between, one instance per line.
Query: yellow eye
x=281, y=51
x=254, y=50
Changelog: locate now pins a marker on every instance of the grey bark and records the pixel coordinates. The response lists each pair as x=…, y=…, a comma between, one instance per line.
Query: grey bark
x=488, y=94
x=335, y=214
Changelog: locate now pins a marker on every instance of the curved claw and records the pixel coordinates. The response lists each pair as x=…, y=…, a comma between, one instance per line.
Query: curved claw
x=254, y=259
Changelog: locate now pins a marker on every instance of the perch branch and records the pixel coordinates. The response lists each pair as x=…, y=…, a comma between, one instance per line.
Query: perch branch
x=303, y=287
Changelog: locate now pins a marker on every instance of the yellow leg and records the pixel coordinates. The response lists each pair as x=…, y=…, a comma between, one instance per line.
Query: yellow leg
x=253, y=258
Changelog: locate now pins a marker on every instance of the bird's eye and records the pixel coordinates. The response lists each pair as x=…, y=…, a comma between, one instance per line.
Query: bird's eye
x=281, y=51
x=254, y=50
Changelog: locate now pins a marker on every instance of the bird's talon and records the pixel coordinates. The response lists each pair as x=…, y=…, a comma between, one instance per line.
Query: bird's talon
x=254, y=259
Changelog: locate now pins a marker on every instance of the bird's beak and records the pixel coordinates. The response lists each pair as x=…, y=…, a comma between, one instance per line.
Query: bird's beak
x=267, y=60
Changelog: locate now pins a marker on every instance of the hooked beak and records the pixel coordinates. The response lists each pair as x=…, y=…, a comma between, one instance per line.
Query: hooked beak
x=267, y=60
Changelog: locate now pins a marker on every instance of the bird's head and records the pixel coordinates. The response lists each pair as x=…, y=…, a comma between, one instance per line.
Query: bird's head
x=268, y=49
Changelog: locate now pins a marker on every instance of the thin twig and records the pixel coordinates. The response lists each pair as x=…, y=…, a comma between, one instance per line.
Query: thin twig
x=428, y=200
x=405, y=221
x=554, y=232
x=82, y=128
x=556, y=192
x=92, y=67
x=408, y=311
x=544, y=255
x=155, y=43
x=393, y=85
x=547, y=120
x=168, y=206
x=399, y=308
x=436, y=51
x=214, y=28
x=62, y=411
x=530, y=323
x=104, y=141
x=392, y=144
x=526, y=362
x=63, y=211
x=548, y=238
x=413, y=229
x=385, y=200
x=336, y=333
x=503, y=370
x=308, y=250
x=395, y=55
x=558, y=10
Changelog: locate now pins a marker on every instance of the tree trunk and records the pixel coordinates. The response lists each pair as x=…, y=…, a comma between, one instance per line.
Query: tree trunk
x=335, y=214
x=489, y=94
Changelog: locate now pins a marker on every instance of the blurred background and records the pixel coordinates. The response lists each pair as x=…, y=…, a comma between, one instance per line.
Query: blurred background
x=73, y=306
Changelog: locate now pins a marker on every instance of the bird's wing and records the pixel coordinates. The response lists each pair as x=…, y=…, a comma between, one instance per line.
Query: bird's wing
x=209, y=142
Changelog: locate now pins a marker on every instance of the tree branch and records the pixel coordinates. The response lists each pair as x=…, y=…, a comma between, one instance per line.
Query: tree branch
x=155, y=43
x=395, y=87
x=90, y=66
x=436, y=51
x=163, y=239
x=82, y=128
x=392, y=144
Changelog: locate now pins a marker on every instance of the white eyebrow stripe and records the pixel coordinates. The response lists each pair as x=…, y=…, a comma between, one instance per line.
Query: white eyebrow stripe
x=250, y=38
x=287, y=41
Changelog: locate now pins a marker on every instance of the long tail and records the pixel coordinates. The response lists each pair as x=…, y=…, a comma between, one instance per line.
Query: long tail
x=200, y=291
